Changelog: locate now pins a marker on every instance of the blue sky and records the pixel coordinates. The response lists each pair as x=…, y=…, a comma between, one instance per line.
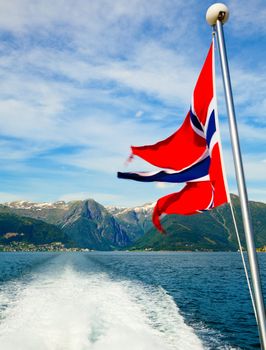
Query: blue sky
x=83, y=80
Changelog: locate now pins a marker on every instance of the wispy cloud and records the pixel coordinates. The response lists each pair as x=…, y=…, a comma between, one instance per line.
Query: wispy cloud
x=82, y=81
x=248, y=16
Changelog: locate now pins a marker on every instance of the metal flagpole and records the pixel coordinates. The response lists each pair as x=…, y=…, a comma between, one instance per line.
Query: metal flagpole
x=216, y=15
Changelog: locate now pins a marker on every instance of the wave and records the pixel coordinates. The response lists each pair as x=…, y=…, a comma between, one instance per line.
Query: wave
x=63, y=308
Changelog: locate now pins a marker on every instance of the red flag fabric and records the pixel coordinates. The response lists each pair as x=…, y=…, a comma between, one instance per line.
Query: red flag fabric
x=179, y=151
x=204, y=89
x=185, y=146
x=217, y=178
x=192, y=199
x=197, y=139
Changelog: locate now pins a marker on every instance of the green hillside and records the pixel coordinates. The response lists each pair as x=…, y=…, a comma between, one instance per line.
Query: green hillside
x=212, y=230
x=25, y=229
x=88, y=224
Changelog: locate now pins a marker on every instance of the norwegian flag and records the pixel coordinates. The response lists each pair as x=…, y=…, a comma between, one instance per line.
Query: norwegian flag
x=191, y=155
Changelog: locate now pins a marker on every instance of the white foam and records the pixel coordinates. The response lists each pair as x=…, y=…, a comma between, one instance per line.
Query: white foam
x=63, y=309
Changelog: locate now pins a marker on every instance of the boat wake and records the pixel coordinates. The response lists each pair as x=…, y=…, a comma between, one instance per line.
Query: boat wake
x=62, y=307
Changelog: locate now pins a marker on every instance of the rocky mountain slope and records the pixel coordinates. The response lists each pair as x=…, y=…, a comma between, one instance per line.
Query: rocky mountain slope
x=88, y=224
x=212, y=230
x=134, y=221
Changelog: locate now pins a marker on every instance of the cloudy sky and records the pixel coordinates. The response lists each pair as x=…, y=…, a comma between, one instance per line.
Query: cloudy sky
x=82, y=80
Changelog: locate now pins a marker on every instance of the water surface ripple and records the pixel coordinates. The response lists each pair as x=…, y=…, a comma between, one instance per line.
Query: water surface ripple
x=117, y=300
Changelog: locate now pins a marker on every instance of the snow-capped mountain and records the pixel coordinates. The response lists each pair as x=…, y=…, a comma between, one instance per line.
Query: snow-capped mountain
x=142, y=209
x=135, y=221
x=37, y=206
x=87, y=223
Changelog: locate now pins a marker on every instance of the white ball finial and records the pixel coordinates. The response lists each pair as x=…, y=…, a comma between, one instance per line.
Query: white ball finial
x=217, y=11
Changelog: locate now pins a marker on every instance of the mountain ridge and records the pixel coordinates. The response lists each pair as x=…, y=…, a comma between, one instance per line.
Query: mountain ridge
x=88, y=224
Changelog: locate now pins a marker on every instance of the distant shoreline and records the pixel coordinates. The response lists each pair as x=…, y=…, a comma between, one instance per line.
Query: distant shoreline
x=85, y=250
x=49, y=247
x=60, y=247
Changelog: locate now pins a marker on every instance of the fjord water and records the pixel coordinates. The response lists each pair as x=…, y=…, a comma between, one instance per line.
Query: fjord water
x=134, y=301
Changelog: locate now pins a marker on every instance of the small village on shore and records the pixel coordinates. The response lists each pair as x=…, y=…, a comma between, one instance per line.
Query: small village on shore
x=60, y=247
x=50, y=247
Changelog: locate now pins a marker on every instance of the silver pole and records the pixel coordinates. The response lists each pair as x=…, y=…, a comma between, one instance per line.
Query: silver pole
x=253, y=262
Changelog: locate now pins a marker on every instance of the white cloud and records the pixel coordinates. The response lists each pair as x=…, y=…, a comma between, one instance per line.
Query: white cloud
x=139, y=114
x=248, y=16
x=74, y=73
x=254, y=166
x=85, y=20
x=163, y=185
x=248, y=135
x=249, y=86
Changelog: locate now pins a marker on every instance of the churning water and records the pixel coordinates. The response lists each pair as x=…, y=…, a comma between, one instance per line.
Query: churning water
x=133, y=301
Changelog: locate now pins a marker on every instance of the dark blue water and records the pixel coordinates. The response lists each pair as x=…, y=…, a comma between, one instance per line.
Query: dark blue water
x=143, y=300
